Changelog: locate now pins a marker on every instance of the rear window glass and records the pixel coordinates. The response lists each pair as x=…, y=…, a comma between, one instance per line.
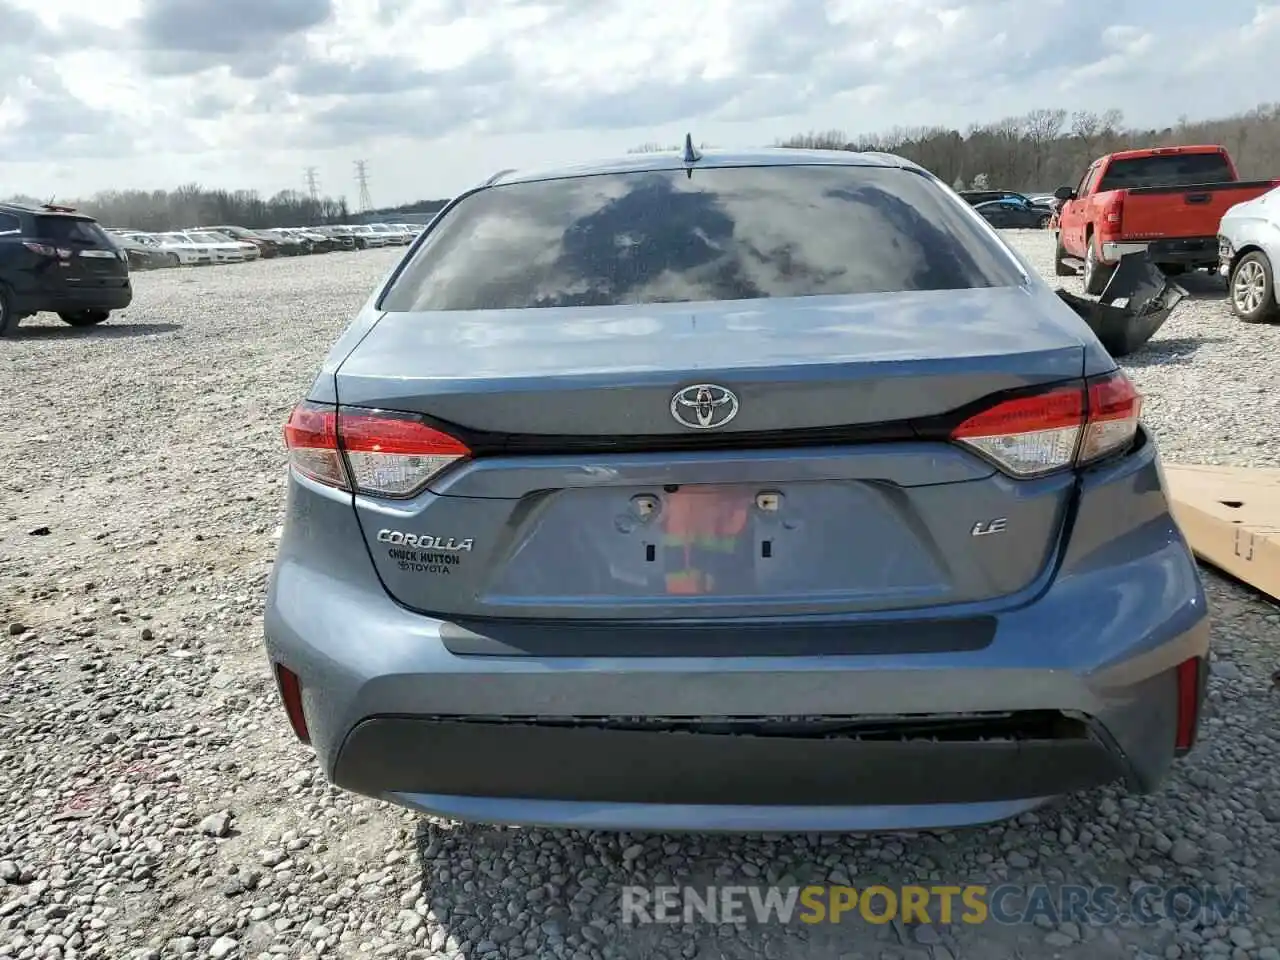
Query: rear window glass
x=1171, y=170
x=732, y=233
x=72, y=231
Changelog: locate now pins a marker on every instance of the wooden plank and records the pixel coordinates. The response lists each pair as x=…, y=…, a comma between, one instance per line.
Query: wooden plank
x=1231, y=518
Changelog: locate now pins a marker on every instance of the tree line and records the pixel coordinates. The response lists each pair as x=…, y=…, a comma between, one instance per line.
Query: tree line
x=192, y=205
x=1040, y=150
x=1046, y=149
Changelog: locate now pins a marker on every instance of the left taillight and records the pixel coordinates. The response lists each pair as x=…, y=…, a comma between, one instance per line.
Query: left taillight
x=1065, y=426
x=381, y=453
x=45, y=250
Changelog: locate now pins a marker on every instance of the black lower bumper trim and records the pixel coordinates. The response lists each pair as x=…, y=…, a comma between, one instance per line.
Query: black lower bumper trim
x=70, y=301
x=508, y=638
x=1190, y=250
x=385, y=755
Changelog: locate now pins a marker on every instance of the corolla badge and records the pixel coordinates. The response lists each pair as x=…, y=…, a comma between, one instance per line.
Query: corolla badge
x=704, y=406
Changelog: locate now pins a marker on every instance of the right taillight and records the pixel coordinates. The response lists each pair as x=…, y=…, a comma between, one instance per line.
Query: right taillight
x=381, y=453
x=1114, y=409
x=1062, y=427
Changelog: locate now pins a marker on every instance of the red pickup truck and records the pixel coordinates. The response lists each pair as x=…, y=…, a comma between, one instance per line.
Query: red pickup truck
x=1167, y=201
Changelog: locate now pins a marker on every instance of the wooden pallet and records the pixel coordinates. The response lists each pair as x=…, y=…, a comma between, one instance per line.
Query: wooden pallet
x=1231, y=517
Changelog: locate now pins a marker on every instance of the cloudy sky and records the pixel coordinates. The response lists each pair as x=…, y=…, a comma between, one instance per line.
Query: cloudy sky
x=438, y=94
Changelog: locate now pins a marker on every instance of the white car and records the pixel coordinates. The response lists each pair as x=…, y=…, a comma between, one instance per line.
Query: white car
x=223, y=248
x=189, y=253
x=371, y=237
x=1249, y=255
x=394, y=236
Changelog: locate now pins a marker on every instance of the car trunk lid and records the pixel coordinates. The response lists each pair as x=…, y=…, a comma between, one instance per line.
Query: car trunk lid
x=606, y=376
x=587, y=499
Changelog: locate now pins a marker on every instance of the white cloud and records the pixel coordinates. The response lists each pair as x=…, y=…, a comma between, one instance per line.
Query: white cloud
x=437, y=94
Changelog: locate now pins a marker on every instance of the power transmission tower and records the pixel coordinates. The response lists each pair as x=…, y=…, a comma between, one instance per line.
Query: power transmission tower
x=313, y=185
x=362, y=178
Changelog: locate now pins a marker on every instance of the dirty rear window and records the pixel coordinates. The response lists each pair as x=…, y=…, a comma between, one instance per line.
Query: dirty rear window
x=72, y=231
x=1171, y=170
x=732, y=233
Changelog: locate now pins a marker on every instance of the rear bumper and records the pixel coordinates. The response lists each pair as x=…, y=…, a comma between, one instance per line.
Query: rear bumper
x=394, y=713
x=1190, y=251
x=63, y=299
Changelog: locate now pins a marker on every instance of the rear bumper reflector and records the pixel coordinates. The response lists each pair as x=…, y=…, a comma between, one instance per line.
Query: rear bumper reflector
x=1193, y=681
x=290, y=688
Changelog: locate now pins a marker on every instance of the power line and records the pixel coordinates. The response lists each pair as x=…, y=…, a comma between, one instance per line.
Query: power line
x=362, y=178
x=313, y=185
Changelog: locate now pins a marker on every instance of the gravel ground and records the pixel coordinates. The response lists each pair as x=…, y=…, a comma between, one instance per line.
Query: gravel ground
x=155, y=805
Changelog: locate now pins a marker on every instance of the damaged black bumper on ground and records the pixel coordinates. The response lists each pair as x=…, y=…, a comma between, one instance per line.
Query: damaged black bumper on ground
x=1136, y=302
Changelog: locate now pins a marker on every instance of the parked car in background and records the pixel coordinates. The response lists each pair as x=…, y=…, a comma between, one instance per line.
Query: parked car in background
x=371, y=237
x=1249, y=253
x=1014, y=214
x=321, y=242
x=393, y=236
x=290, y=246
x=311, y=240
x=642, y=585
x=975, y=197
x=1164, y=201
x=55, y=260
x=236, y=251
x=222, y=249
x=267, y=246
x=342, y=237
x=143, y=253
x=188, y=252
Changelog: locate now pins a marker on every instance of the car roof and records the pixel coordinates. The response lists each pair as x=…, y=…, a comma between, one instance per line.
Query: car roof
x=8, y=206
x=674, y=160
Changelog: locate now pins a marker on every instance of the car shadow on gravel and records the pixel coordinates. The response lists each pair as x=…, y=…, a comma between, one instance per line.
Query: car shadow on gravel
x=1172, y=350
x=1202, y=286
x=107, y=331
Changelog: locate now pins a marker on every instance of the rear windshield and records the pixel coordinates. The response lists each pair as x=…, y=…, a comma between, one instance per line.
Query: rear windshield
x=85, y=233
x=1171, y=170
x=728, y=233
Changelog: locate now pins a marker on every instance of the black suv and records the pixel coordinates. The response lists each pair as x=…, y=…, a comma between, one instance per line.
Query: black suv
x=54, y=259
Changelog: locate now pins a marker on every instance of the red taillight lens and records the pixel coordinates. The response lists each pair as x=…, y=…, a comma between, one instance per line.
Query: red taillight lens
x=394, y=454
x=1039, y=434
x=312, y=438
x=1028, y=436
x=1112, y=214
x=377, y=452
x=1114, y=410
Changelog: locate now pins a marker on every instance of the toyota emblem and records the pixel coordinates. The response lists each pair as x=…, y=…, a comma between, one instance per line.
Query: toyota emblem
x=704, y=406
